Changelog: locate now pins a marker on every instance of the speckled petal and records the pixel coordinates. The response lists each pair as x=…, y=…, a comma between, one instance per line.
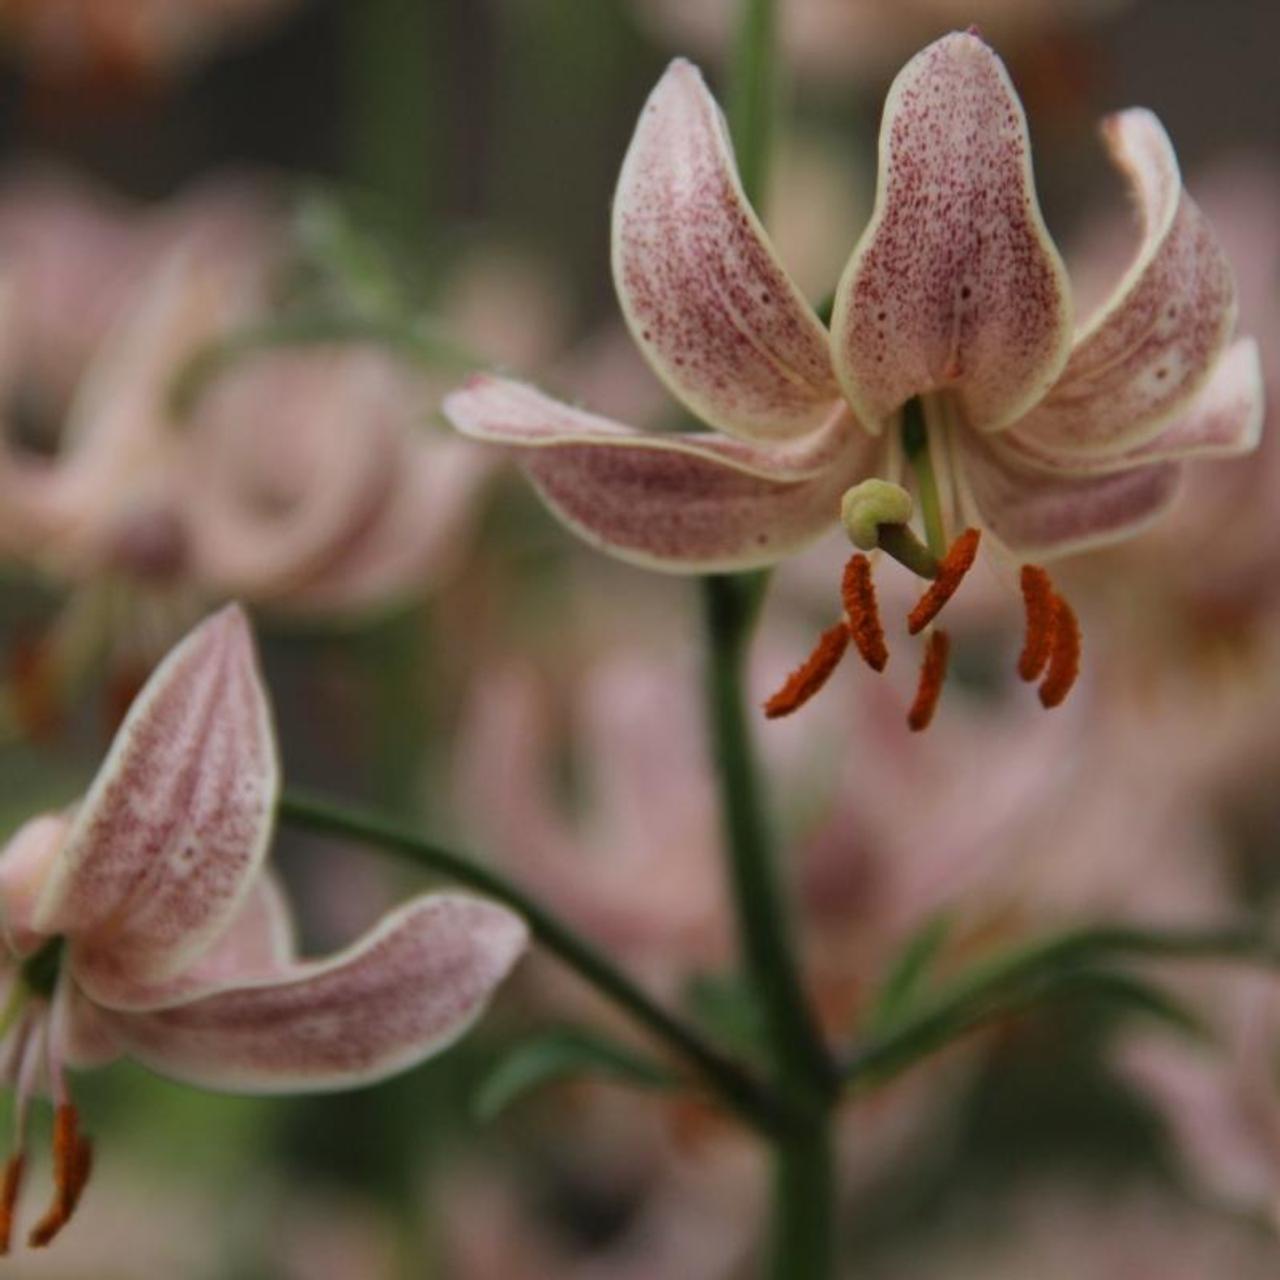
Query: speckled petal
x=1224, y=420
x=955, y=284
x=683, y=503
x=515, y=415
x=1040, y=515
x=700, y=285
x=1142, y=359
x=407, y=990
x=173, y=831
x=258, y=943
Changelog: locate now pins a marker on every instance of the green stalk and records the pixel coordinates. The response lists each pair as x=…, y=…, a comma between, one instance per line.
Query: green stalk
x=915, y=444
x=727, y=1080
x=802, y=1245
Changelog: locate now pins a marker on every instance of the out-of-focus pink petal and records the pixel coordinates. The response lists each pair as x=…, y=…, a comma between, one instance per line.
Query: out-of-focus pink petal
x=258, y=943
x=173, y=831
x=1039, y=514
x=25, y=863
x=408, y=989
x=955, y=284
x=1145, y=355
x=1225, y=419
x=514, y=414
x=294, y=457
x=416, y=539
x=700, y=285
x=684, y=503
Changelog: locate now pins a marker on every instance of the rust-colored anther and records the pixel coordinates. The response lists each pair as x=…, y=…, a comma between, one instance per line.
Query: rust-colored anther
x=951, y=570
x=1064, y=655
x=9, y=1197
x=858, y=592
x=933, y=671
x=811, y=675
x=1038, y=598
x=72, y=1163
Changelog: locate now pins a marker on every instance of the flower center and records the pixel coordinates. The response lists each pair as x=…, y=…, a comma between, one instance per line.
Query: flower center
x=877, y=515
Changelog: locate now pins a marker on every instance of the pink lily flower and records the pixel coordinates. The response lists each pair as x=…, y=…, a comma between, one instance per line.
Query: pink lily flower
x=145, y=923
x=951, y=359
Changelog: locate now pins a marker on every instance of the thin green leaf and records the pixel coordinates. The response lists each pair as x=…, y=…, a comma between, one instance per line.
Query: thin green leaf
x=908, y=972
x=561, y=1054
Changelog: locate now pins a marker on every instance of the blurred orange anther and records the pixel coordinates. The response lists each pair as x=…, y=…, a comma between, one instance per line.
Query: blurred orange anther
x=859, y=594
x=811, y=675
x=954, y=565
x=32, y=687
x=72, y=1162
x=933, y=671
x=1038, y=597
x=1064, y=655
x=9, y=1198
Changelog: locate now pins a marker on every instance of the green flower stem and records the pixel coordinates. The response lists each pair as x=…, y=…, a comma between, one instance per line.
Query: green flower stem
x=993, y=986
x=915, y=444
x=753, y=89
x=737, y=1089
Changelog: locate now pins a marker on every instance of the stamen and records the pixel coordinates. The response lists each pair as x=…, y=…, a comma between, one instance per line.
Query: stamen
x=811, y=675
x=859, y=594
x=9, y=1197
x=72, y=1163
x=951, y=570
x=1038, y=597
x=1064, y=657
x=933, y=671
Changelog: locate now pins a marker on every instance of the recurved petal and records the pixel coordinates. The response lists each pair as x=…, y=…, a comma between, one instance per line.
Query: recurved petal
x=955, y=283
x=25, y=863
x=258, y=943
x=1039, y=514
x=174, y=829
x=1141, y=360
x=1225, y=419
x=684, y=503
x=407, y=990
x=718, y=318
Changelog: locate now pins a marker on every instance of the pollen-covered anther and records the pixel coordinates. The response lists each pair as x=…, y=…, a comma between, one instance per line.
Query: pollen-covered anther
x=1038, y=598
x=933, y=672
x=9, y=1189
x=1064, y=655
x=72, y=1163
x=858, y=592
x=811, y=675
x=951, y=570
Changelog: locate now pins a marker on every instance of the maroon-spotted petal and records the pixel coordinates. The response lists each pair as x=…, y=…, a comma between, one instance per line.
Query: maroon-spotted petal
x=1039, y=514
x=1142, y=359
x=684, y=503
x=1224, y=420
x=955, y=284
x=174, y=829
x=408, y=989
x=258, y=943
x=713, y=311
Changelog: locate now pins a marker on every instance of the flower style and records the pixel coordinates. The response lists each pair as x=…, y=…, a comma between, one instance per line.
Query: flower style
x=950, y=363
x=144, y=923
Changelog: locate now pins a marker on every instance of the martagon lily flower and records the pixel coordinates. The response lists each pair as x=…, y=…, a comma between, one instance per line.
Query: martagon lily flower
x=951, y=364
x=144, y=923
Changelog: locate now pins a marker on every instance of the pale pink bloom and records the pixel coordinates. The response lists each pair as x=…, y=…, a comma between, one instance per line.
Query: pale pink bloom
x=1051, y=442
x=144, y=923
x=1220, y=1100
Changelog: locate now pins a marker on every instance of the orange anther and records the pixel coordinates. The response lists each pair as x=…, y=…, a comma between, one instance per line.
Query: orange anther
x=859, y=594
x=1064, y=655
x=811, y=675
x=954, y=565
x=9, y=1197
x=933, y=671
x=1038, y=598
x=72, y=1162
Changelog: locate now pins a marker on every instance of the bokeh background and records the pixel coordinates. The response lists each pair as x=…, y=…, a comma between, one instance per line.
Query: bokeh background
x=425, y=184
